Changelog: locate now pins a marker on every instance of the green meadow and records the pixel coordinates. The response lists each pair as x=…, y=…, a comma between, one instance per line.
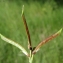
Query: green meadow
x=43, y=20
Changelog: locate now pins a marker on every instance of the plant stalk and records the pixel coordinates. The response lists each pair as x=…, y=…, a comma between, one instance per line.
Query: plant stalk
x=31, y=57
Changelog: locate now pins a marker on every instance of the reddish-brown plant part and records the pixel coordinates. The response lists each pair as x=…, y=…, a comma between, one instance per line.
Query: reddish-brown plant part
x=46, y=40
x=27, y=30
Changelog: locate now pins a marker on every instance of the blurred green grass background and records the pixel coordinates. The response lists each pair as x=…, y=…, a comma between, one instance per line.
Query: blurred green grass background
x=43, y=19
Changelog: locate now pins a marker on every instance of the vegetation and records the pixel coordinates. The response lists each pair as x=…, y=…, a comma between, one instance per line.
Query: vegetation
x=42, y=19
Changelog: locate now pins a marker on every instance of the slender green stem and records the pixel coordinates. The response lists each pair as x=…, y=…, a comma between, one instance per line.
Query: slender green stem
x=31, y=57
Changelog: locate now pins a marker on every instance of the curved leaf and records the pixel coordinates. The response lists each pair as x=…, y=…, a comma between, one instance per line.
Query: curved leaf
x=14, y=43
x=46, y=40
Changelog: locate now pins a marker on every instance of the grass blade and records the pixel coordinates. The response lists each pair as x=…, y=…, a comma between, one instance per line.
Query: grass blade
x=14, y=43
x=27, y=30
x=46, y=40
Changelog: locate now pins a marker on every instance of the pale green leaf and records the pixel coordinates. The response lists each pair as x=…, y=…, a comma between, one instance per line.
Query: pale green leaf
x=14, y=43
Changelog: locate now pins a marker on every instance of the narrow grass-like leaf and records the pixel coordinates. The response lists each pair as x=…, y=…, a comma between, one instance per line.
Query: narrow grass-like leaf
x=14, y=43
x=46, y=40
x=27, y=30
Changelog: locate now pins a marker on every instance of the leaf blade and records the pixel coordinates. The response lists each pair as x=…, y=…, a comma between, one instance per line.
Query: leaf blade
x=14, y=43
x=46, y=40
x=27, y=30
